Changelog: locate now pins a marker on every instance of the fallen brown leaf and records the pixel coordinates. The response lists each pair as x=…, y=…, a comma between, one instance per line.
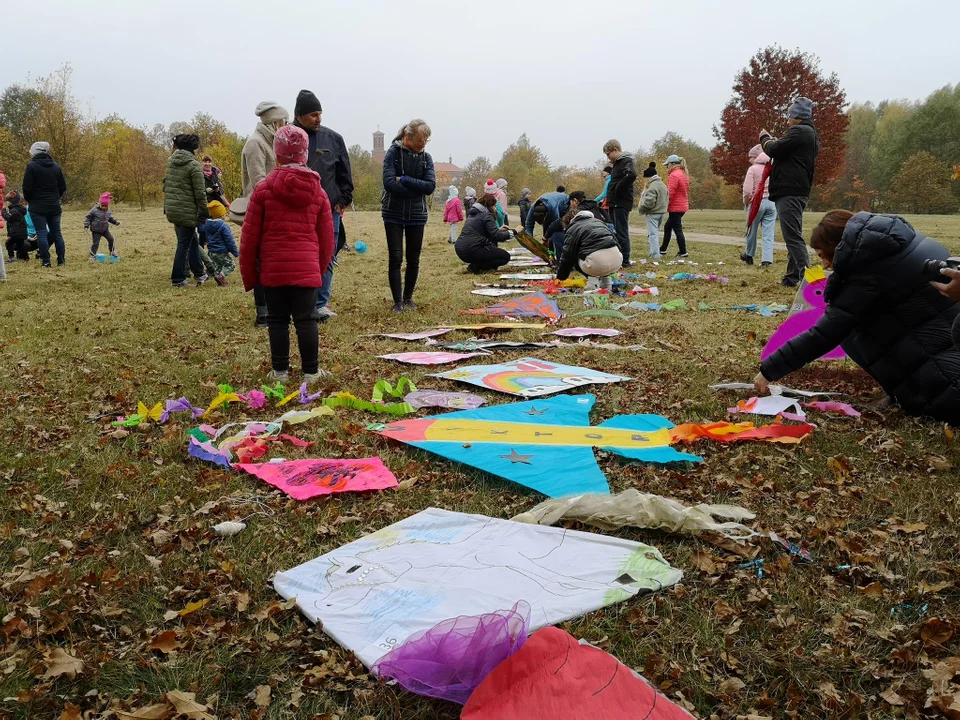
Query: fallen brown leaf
x=165, y=642
x=731, y=686
x=261, y=696
x=150, y=712
x=71, y=712
x=60, y=663
x=936, y=631
x=185, y=704
x=891, y=696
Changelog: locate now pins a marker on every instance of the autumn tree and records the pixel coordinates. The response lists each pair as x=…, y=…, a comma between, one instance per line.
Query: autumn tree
x=476, y=172
x=523, y=164
x=922, y=186
x=367, y=178
x=762, y=94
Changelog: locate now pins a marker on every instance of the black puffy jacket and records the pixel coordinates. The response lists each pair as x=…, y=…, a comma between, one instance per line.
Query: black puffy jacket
x=404, y=201
x=43, y=185
x=585, y=234
x=794, y=156
x=479, y=230
x=622, y=177
x=886, y=317
x=16, y=217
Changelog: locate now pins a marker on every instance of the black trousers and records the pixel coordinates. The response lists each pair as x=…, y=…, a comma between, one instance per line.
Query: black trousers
x=395, y=234
x=299, y=303
x=621, y=227
x=95, y=245
x=484, y=258
x=19, y=246
x=674, y=224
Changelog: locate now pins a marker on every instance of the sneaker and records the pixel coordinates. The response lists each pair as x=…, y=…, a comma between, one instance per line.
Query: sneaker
x=93, y=258
x=748, y=259
x=627, y=263
x=326, y=312
x=202, y=279
x=789, y=282
x=398, y=307
x=114, y=256
x=410, y=305
x=683, y=255
x=220, y=279
x=279, y=375
x=45, y=265
x=260, y=322
x=181, y=284
x=310, y=378
x=766, y=264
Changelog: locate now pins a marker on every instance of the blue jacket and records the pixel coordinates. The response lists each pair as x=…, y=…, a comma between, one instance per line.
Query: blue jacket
x=404, y=201
x=606, y=187
x=219, y=238
x=557, y=204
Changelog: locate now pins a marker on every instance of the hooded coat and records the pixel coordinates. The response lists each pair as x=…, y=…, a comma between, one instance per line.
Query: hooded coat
x=753, y=178
x=794, y=156
x=887, y=318
x=678, y=191
x=16, y=216
x=556, y=203
x=43, y=185
x=453, y=210
x=184, y=190
x=655, y=199
x=623, y=175
x=258, y=158
x=99, y=219
x=404, y=201
x=586, y=234
x=287, y=237
x=480, y=230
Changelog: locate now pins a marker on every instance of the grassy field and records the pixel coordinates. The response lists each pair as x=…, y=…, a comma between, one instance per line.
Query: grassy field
x=107, y=536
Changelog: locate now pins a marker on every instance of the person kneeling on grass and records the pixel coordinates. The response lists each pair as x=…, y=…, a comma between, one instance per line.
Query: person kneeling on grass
x=591, y=247
x=98, y=222
x=477, y=244
x=220, y=243
x=286, y=243
x=883, y=312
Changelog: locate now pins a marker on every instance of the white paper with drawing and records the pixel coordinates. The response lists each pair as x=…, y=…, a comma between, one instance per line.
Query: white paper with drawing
x=373, y=593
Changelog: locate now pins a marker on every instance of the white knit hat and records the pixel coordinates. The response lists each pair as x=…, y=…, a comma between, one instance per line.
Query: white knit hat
x=39, y=147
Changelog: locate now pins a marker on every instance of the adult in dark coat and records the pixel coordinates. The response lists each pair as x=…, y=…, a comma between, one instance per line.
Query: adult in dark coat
x=477, y=244
x=43, y=186
x=883, y=312
x=620, y=194
x=585, y=236
x=791, y=178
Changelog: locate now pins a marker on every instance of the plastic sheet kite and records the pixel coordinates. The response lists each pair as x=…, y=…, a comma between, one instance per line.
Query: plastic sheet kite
x=533, y=305
x=642, y=510
x=808, y=308
x=304, y=479
x=553, y=677
x=693, y=276
x=527, y=276
x=428, y=358
x=422, y=335
x=435, y=398
x=771, y=405
x=451, y=659
x=763, y=310
x=474, y=344
x=537, y=247
x=499, y=292
x=546, y=445
x=529, y=377
x=586, y=332
x=774, y=389
x=376, y=592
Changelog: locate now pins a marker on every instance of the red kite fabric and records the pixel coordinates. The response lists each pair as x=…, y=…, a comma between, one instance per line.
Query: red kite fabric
x=553, y=677
x=533, y=305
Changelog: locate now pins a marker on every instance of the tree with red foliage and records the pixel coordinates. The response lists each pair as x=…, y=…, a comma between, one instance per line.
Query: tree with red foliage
x=762, y=94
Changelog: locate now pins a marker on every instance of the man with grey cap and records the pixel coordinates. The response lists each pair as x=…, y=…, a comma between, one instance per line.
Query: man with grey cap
x=791, y=178
x=43, y=186
x=256, y=162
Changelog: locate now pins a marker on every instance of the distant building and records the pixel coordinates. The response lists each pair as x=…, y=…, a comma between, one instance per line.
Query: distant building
x=453, y=172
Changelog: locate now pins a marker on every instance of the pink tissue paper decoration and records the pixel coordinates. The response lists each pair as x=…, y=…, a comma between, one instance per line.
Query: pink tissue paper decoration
x=451, y=659
x=256, y=399
x=834, y=407
x=808, y=308
x=304, y=479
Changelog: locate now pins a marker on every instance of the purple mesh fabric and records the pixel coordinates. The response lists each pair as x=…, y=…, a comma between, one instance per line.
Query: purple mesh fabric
x=451, y=659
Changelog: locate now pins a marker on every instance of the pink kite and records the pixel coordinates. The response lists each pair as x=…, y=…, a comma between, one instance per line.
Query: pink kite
x=553, y=677
x=428, y=358
x=586, y=332
x=304, y=479
x=834, y=407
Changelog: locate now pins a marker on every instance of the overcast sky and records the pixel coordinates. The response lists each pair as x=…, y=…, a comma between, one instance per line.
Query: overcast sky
x=570, y=75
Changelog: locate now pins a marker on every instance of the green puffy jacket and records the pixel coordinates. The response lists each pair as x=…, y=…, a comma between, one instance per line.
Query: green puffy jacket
x=184, y=196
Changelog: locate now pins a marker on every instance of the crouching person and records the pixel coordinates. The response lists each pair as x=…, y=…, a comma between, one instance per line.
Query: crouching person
x=590, y=246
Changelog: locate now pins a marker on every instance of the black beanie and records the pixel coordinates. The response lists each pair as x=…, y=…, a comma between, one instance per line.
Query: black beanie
x=651, y=170
x=186, y=141
x=307, y=103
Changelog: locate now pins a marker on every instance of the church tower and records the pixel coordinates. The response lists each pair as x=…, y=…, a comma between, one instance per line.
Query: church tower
x=378, y=151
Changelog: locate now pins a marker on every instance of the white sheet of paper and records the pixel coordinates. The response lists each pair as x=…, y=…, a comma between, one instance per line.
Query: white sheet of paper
x=375, y=592
x=773, y=405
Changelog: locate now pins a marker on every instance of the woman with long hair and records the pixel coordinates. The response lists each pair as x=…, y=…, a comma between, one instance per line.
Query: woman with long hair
x=408, y=180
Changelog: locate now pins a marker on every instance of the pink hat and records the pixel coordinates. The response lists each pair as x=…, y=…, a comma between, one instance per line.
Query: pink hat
x=106, y=198
x=291, y=145
x=490, y=187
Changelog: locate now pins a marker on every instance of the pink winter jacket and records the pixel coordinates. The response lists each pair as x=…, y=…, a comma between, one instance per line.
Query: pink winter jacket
x=678, y=185
x=752, y=179
x=453, y=211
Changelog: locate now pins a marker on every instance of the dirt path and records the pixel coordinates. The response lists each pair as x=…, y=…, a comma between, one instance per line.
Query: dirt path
x=704, y=237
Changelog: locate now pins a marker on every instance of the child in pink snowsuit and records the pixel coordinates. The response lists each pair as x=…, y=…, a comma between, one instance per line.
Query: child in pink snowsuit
x=453, y=213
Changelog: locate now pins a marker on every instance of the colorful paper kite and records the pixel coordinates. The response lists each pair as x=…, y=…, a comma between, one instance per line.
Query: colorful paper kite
x=808, y=307
x=376, y=592
x=553, y=677
x=529, y=377
x=474, y=344
x=586, y=332
x=537, y=247
x=527, y=276
x=304, y=479
x=434, y=398
x=533, y=305
x=546, y=445
x=428, y=358
x=501, y=326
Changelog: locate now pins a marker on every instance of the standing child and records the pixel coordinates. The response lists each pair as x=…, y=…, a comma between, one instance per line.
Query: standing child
x=453, y=213
x=654, y=203
x=221, y=246
x=16, y=215
x=286, y=243
x=524, y=205
x=98, y=222
x=470, y=199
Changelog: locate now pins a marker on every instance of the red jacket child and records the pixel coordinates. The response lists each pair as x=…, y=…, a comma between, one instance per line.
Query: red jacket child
x=287, y=237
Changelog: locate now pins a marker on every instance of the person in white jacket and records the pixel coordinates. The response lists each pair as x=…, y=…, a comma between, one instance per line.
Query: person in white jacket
x=766, y=218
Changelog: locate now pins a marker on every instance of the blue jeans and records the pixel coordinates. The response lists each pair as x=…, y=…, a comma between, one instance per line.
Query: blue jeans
x=48, y=230
x=188, y=251
x=766, y=220
x=654, y=221
x=323, y=294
